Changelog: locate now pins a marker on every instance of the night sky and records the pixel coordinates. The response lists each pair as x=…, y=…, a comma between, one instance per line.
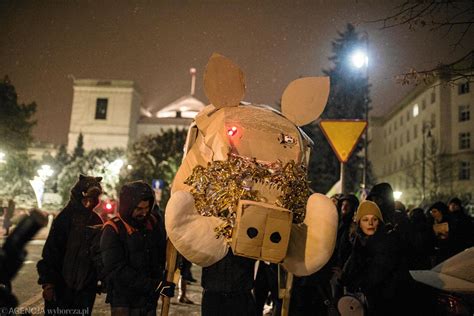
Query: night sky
x=43, y=44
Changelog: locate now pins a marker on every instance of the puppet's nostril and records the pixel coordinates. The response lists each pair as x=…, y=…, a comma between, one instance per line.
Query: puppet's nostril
x=275, y=237
x=252, y=232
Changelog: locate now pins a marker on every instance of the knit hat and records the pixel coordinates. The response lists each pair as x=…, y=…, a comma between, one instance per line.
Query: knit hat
x=368, y=208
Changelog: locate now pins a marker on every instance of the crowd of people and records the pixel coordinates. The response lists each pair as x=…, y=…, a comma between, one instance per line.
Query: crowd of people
x=378, y=242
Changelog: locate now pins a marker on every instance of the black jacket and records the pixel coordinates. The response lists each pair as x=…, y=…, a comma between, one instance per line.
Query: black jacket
x=378, y=268
x=133, y=255
x=66, y=254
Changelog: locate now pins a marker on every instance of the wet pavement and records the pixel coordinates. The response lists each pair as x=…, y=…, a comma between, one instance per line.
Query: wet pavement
x=28, y=292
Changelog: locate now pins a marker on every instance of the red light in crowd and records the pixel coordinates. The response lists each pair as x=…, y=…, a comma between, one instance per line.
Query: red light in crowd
x=108, y=206
x=232, y=131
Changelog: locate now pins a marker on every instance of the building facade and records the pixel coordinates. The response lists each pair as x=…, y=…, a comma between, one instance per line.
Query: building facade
x=424, y=146
x=110, y=114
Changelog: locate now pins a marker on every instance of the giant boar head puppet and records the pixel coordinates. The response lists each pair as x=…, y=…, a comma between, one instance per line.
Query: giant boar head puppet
x=243, y=180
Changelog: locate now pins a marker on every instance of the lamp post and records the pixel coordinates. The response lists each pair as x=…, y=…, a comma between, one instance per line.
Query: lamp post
x=38, y=182
x=426, y=131
x=360, y=60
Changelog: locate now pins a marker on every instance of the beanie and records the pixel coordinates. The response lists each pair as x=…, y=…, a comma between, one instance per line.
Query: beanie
x=368, y=208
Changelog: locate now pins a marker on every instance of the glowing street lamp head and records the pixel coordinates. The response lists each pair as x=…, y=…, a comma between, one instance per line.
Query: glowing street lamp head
x=360, y=59
x=397, y=195
x=45, y=172
x=115, y=166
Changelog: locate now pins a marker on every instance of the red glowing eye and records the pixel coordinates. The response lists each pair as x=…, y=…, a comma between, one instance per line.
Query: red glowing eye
x=232, y=131
x=108, y=206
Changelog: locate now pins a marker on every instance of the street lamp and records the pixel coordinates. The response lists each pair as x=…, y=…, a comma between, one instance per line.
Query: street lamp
x=38, y=182
x=115, y=166
x=426, y=131
x=2, y=157
x=45, y=172
x=360, y=59
x=397, y=195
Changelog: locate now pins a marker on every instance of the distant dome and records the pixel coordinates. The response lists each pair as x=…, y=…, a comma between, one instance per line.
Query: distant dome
x=185, y=107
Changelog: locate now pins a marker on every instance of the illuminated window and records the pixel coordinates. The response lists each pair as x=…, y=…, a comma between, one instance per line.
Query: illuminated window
x=416, y=110
x=101, y=109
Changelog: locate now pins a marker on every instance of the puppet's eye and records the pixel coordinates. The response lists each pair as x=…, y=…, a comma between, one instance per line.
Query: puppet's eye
x=232, y=131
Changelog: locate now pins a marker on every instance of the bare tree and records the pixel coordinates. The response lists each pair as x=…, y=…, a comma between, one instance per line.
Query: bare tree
x=448, y=16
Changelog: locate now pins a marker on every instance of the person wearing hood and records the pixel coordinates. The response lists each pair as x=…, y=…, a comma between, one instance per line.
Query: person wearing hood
x=133, y=248
x=66, y=271
x=375, y=267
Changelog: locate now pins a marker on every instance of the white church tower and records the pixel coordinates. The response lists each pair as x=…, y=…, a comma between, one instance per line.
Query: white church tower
x=106, y=112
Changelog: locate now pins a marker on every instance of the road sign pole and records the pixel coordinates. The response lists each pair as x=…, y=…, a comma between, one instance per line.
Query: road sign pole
x=343, y=190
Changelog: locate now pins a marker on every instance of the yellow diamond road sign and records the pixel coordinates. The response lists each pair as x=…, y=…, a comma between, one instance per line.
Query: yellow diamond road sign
x=343, y=135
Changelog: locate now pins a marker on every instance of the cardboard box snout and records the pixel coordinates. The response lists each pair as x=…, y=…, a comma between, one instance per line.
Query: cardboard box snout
x=262, y=231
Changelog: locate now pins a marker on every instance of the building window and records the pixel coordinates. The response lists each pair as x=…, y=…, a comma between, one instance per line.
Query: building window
x=395, y=126
x=464, y=170
x=395, y=143
x=464, y=140
x=416, y=110
x=415, y=155
x=423, y=104
x=408, y=116
x=464, y=113
x=401, y=120
x=401, y=140
x=415, y=131
x=433, y=97
x=408, y=136
x=101, y=109
x=463, y=88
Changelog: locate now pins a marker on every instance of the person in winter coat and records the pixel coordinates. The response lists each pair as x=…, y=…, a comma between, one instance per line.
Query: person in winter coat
x=376, y=267
x=396, y=220
x=461, y=226
x=424, y=241
x=438, y=218
x=228, y=287
x=133, y=248
x=66, y=270
x=7, y=219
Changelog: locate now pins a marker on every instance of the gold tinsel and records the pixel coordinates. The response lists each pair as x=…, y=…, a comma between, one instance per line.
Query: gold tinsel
x=218, y=188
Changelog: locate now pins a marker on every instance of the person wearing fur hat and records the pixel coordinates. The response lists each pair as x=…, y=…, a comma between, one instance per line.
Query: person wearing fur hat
x=133, y=247
x=376, y=266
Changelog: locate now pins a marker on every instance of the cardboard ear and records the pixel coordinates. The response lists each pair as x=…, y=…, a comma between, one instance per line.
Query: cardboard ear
x=224, y=82
x=305, y=99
